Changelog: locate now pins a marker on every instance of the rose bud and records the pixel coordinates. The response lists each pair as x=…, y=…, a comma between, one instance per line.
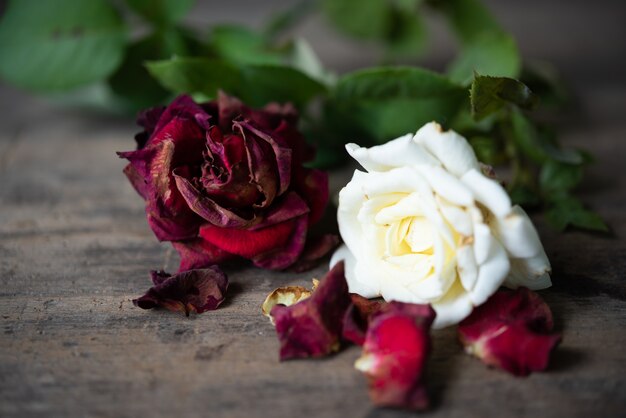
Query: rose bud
x=190, y=291
x=512, y=331
x=312, y=327
x=396, y=348
x=221, y=180
x=424, y=224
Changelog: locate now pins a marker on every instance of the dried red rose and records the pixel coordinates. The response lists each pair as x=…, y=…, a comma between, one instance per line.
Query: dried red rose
x=396, y=348
x=357, y=317
x=197, y=291
x=312, y=327
x=512, y=331
x=221, y=180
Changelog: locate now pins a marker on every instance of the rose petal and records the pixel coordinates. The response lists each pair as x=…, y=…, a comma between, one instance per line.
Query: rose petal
x=315, y=249
x=198, y=253
x=454, y=152
x=208, y=209
x=190, y=291
x=285, y=296
x=395, y=352
x=398, y=152
x=312, y=327
x=488, y=192
x=313, y=188
x=355, y=285
x=512, y=331
x=357, y=317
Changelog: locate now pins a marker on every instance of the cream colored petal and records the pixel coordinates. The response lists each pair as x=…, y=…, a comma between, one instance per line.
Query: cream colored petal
x=517, y=233
x=398, y=152
x=491, y=273
x=351, y=200
x=482, y=242
x=454, y=152
x=488, y=192
x=355, y=284
x=453, y=307
x=393, y=289
x=420, y=235
x=466, y=266
x=459, y=218
x=533, y=272
x=406, y=206
x=446, y=185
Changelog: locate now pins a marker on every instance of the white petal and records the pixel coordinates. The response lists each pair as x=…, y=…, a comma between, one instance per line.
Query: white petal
x=454, y=152
x=466, y=266
x=392, y=289
x=459, y=218
x=355, y=284
x=517, y=233
x=533, y=272
x=491, y=273
x=399, y=152
x=405, y=206
x=482, y=242
x=446, y=185
x=453, y=307
x=488, y=192
x=351, y=199
x=420, y=234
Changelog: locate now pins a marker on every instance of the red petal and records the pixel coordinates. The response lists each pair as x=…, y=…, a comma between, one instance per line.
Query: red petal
x=190, y=291
x=395, y=352
x=357, y=318
x=512, y=331
x=198, y=253
x=312, y=327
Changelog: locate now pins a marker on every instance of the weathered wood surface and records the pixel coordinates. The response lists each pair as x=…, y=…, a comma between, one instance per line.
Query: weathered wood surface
x=75, y=248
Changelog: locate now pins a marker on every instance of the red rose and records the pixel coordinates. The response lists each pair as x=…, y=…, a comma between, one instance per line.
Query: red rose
x=222, y=180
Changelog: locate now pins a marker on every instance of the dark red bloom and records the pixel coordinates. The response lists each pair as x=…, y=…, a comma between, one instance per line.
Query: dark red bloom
x=512, y=331
x=357, y=317
x=221, y=180
x=190, y=291
x=396, y=348
x=312, y=327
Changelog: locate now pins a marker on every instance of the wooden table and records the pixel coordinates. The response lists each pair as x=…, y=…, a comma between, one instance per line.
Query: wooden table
x=75, y=248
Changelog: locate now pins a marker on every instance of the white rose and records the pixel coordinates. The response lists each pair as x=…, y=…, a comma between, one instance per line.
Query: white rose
x=423, y=224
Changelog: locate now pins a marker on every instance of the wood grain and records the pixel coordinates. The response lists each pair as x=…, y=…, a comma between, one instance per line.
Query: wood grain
x=75, y=248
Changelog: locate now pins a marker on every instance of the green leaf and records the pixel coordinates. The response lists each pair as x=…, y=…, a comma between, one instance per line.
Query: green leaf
x=469, y=18
x=196, y=75
x=568, y=211
x=492, y=53
x=486, y=47
x=303, y=58
x=387, y=102
x=526, y=137
x=490, y=94
x=275, y=83
x=357, y=18
x=556, y=178
x=161, y=12
x=487, y=149
x=132, y=82
x=243, y=46
x=385, y=83
x=52, y=45
x=393, y=23
x=254, y=84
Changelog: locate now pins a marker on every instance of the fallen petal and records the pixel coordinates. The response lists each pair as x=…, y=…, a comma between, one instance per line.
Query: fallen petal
x=286, y=296
x=394, y=356
x=312, y=327
x=357, y=317
x=513, y=331
x=197, y=291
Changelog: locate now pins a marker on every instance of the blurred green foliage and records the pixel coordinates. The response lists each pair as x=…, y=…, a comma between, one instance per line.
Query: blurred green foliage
x=485, y=94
